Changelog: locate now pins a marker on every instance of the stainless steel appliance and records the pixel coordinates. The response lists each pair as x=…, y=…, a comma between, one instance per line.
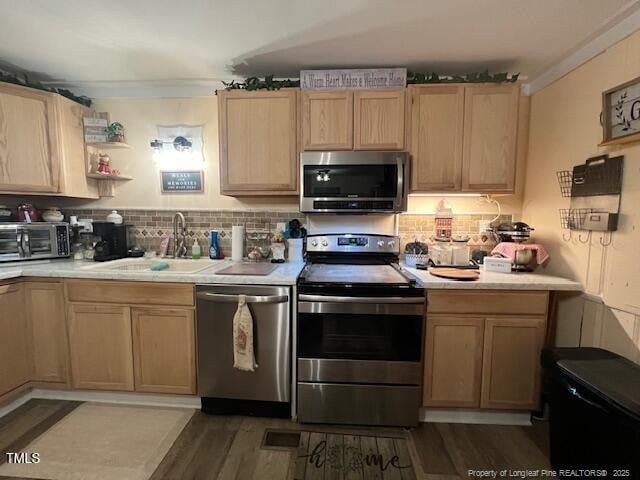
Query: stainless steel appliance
x=33, y=241
x=224, y=389
x=360, y=330
x=353, y=181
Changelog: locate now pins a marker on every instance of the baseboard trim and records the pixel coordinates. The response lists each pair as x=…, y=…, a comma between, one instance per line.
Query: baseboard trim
x=438, y=415
x=144, y=399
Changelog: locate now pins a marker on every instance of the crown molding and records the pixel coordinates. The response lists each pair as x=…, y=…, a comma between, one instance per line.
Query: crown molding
x=618, y=27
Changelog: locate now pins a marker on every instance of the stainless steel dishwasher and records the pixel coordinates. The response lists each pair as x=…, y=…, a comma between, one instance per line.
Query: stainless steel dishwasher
x=224, y=389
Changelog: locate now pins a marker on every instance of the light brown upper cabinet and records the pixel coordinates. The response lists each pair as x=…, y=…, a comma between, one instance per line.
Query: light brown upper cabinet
x=463, y=137
x=490, y=133
x=258, y=142
x=435, y=137
x=378, y=119
x=42, y=149
x=327, y=120
x=29, y=140
x=45, y=309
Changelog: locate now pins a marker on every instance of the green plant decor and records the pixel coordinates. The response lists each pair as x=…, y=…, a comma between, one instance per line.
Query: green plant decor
x=268, y=83
x=25, y=82
x=473, y=77
x=115, y=132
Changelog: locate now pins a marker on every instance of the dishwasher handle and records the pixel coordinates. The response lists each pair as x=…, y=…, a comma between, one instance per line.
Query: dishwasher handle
x=226, y=298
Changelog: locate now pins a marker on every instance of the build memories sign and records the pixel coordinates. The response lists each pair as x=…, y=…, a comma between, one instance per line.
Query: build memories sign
x=353, y=79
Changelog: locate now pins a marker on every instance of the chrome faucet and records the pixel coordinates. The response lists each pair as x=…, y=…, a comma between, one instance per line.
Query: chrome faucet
x=179, y=235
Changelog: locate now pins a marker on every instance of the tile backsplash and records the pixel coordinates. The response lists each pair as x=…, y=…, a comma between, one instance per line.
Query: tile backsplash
x=148, y=226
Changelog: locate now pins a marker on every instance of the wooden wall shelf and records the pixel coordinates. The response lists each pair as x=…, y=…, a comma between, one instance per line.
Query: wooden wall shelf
x=110, y=145
x=102, y=176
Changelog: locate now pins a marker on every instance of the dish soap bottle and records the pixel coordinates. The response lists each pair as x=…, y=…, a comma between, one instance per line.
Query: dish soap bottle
x=195, y=250
x=214, y=248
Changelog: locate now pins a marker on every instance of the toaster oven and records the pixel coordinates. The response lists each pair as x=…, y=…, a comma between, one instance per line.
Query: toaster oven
x=33, y=241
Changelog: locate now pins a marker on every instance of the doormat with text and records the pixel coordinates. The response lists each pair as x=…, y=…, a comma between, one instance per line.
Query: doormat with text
x=329, y=455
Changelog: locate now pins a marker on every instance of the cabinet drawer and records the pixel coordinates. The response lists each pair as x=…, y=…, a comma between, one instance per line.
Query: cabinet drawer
x=135, y=293
x=494, y=302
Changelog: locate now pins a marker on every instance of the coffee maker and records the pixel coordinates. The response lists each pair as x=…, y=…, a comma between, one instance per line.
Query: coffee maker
x=114, y=241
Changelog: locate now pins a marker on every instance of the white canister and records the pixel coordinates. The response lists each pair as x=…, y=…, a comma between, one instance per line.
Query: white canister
x=114, y=217
x=295, y=249
x=460, y=251
x=441, y=252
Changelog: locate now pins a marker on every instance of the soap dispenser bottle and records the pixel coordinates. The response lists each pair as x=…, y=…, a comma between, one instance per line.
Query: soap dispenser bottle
x=195, y=250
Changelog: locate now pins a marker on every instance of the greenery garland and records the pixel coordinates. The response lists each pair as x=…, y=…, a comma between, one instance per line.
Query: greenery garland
x=255, y=83
x=10, y=78
x=268, y=83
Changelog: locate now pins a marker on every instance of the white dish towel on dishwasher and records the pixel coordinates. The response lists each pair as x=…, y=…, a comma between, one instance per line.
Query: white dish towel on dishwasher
x=243, y=355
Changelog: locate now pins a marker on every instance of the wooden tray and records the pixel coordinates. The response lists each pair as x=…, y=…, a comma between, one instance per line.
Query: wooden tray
x=455, y=273
x=257, y=268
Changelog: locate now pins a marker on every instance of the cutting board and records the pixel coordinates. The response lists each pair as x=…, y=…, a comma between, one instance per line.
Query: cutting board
x=258, y=268
x=455, y=273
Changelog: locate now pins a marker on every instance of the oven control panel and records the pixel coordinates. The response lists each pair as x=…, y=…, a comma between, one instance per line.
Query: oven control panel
x=352, y=242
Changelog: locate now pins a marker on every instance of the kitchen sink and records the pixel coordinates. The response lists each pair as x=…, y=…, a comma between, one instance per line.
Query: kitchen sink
x=183, y=265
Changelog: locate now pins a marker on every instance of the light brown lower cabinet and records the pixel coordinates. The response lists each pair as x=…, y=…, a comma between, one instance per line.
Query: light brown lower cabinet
x=164, y=350
x=14, y=351
x=100, y=347
x=45, y=307
x=511, y=364
x=453, y=371
x=482, y=349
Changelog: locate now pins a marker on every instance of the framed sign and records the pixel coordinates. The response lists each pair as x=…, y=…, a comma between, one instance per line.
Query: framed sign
x=184, y=181
x=621, y=113
x=353, y=79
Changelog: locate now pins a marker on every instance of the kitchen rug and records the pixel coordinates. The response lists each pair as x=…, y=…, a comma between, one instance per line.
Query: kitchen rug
x=332, y=455
x=103, y=442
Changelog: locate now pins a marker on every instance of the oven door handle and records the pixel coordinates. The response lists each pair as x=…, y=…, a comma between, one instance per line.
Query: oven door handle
x=379, y=300
x=226, y=298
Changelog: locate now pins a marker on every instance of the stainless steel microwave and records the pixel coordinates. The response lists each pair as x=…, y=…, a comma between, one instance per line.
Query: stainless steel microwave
x=353, y=181
x=33, y=241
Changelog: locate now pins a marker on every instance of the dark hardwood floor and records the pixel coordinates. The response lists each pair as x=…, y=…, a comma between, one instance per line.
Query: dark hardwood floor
x=229, y=448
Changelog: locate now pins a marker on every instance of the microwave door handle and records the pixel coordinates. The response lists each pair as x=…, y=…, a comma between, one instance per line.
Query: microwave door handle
x=19, y=233
x=25, y=243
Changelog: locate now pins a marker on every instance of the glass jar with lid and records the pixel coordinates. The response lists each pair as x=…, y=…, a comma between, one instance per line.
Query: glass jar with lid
x=441, y=251
x=460, y=250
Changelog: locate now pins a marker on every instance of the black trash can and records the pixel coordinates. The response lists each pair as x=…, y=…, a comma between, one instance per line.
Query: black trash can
x=594, y=408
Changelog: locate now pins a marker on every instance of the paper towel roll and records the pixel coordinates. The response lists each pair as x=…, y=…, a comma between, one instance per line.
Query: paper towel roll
x=237, y=242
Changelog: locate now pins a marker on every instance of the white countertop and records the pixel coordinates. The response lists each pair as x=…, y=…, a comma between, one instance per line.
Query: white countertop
x=498, y=281
x=285, y=274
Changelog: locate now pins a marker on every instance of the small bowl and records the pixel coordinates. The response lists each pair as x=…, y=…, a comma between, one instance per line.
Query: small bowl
x=412, y=259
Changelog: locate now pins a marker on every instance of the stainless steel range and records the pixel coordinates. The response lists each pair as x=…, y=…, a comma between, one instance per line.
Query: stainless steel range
x=359, y=333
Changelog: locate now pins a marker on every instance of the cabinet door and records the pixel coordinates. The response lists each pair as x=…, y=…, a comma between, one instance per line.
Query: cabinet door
x=327, y=120
x=378, y=120
x=46, y=313
x=29, y=153
x=100, y=347
x=258, y=142
x=14, y=351
x=164, y=350
x=453, y=361
x=490, y=131
x=511, y=365
x=435, y=137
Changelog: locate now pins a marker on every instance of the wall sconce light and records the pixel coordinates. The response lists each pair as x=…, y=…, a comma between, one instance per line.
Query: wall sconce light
x=323, y=176
x=181, y=144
